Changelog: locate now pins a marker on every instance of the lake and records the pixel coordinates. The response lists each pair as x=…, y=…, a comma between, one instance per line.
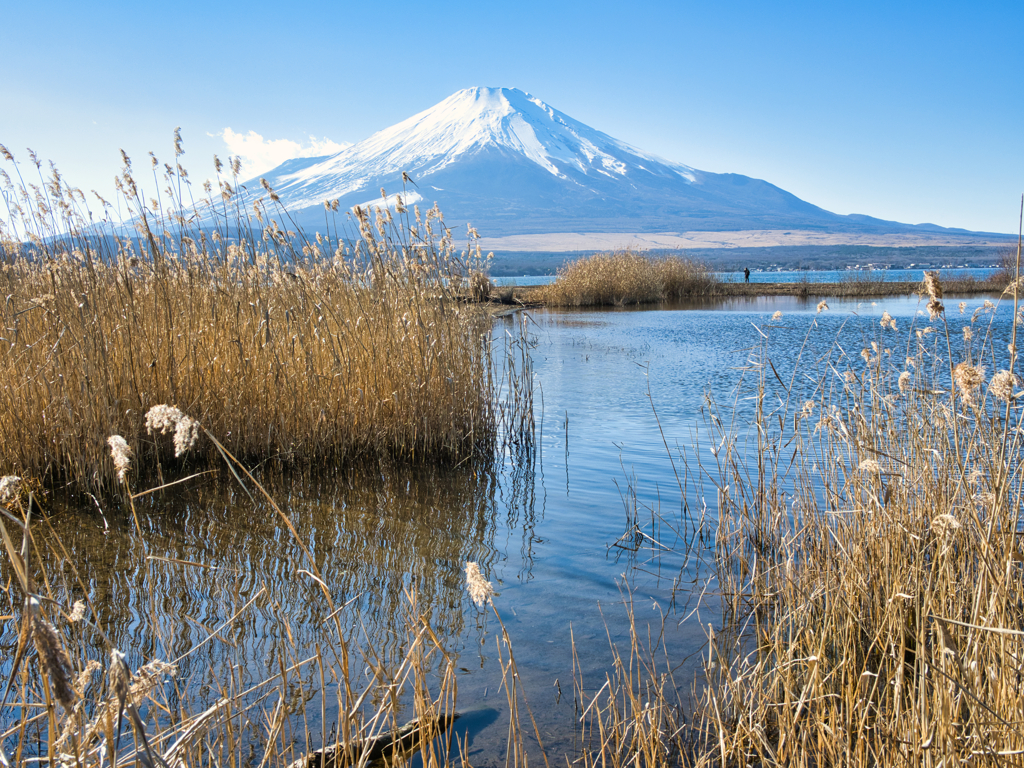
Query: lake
x=567, y=531
x=797, y=276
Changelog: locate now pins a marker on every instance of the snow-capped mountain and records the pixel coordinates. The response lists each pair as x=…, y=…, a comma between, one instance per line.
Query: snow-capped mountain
x=507, y=163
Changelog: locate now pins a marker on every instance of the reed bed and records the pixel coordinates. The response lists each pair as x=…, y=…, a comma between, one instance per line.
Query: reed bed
x=970, y=284
x=876, y=584
x=860, y=285
x=875, y=284
x=315, y=348
x=867, y=561
x=625, y=278
x=875, y=579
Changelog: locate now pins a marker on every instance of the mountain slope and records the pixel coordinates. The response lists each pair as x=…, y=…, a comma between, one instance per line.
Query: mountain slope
x=508, y=163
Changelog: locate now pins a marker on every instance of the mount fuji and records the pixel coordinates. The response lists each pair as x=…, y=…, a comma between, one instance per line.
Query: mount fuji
x=509, y=164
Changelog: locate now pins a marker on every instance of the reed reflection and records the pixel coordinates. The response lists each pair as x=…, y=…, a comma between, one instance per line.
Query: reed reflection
x=206, y=550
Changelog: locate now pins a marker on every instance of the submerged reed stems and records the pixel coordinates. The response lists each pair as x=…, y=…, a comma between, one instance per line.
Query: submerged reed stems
x=71, y=697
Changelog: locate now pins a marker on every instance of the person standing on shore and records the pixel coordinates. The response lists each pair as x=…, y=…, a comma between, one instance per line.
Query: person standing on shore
x=746, y=275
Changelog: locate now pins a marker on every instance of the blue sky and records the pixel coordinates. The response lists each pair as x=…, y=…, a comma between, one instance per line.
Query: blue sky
x=901, y=110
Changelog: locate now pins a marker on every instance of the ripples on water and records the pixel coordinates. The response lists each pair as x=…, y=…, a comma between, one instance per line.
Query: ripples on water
x=612, y=388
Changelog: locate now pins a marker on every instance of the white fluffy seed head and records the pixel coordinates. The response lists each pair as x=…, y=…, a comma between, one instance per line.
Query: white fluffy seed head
x=167, y=418
x=1001, y=386
x=77, y=612
x=968, y=379
x=870, y=465
x=480, y=590
x=121, y=453
x=10, y=487
x=945, y=525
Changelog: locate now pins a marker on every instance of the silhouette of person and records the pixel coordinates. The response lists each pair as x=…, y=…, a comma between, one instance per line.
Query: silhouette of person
x=746, y=275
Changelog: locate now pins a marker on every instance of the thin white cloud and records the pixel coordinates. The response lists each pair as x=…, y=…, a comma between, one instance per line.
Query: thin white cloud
x=260, y=155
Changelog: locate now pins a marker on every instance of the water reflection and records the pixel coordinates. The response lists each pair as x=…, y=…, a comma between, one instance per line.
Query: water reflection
x=636, y=383
x=206, y=548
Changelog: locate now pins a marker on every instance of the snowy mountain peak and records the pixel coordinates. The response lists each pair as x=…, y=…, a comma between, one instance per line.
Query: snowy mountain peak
x=468, y=123
x=508, y=163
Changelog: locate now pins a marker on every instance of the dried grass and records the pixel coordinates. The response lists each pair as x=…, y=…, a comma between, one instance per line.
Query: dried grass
x=302, y=348
x=874, y=567
x=868, y=563
x=625, y=278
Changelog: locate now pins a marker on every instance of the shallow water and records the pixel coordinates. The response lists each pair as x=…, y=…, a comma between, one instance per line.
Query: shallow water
x=620, y=399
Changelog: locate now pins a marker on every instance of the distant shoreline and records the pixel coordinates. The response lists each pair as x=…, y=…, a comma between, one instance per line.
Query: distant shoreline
x=797, y=258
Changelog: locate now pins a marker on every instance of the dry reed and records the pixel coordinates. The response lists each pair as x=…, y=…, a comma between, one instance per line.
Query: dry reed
x=64, y=706
x=875, y=580
x=867, y=560
x=624, y=278
x=307, y=349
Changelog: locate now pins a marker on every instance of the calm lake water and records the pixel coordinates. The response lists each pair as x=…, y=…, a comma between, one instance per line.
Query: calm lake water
x=805, y=275
x=618, y=397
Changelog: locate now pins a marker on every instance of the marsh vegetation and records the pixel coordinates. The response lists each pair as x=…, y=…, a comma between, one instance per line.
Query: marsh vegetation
x=624, y=278
x=319, y=348
x=867, y=559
